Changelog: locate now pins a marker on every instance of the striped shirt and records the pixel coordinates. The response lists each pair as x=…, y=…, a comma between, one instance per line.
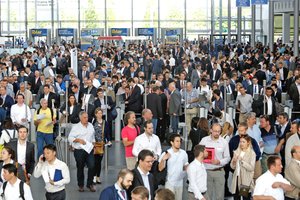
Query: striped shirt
x=270, y=139
x=190, y=96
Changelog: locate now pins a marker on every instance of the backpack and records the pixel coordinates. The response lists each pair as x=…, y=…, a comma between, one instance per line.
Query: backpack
x=159, y=176
x=25, y=173
x=63, y=66
x=278, y=107
x=21, y=189
x=12, y=139
x=38, y=112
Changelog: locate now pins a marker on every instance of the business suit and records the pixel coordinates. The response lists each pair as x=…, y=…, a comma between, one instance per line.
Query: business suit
x=209, y=68
x=71, y=116
x=7, y=104
x=294, y=95
x=155, y=106
x=134, y=100
x=90, y=111
x=245, y=83
x=22, y=79
x=274, y=114
x=178, y=84
x=261, y=75
x=251, y=89
x=282, y=151
x=128, y=74
x=80, y=75
x=50, y=97
x=93, y=91
x=110, y=193
x=217, y=75
x=222, y=89
x=36, y=85
x=292, y=174
x=156, y=66
x=175, y=108
x=162, y=124
x=138, y=181
x=278, y=95
x=289, y=82
x=195, y=77
x=29, y=157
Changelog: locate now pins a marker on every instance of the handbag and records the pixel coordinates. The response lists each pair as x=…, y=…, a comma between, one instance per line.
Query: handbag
x=99, y=145
x=114, y=113
x=191, y=155
x=62, y=119
x=244, y=190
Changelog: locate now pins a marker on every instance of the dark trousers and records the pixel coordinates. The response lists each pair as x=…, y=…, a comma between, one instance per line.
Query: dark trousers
x=227, y=170
x=98, y=159
x=236, y=195
x=61, y=195
x=83, y=158
x=288, y=198
x=161, y=128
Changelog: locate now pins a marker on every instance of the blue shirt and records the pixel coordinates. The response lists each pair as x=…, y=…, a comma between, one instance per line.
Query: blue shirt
x=219, y=104
x=255, y=133
x=190, y=96
x=270, y=139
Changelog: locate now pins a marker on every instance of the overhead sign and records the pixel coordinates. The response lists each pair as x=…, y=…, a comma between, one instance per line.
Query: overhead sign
x=38, y=32
x=170, y=32
x=85, y=32
x=118, y=31
x=109, y=38
x=171, y=36
x=257, y=2
x=242, y=3
x=65, y=32
x=145, y=31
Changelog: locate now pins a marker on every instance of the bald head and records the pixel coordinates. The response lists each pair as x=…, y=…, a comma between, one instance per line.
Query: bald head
x=296, y=152
x=147, y=114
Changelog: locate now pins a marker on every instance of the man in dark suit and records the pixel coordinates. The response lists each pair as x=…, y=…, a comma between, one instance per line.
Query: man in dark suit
x=50, y=96
x=22, y=77
x=83, y=73
x=142, y=173
x=210, y=65
x=255, y=60
x=131, y=73
x=277, y=92
x=154, y=104
x=17, y=61
x=162, y=124
x=7, y=101
x=255, y=88
x=86, y=107
x=30, y=75
x=100, y=103
x=215, y=74
x=91, y=89
x=36, y=83
x=174, y=107
x=291, y=80
x=283, y=75
x=25, y=155
x=230, y=88
x=180, y=83
x=294, y=95
x=261, y=75
x=188, y=71
x=146, y=115
x=270, y=102
x=76, y=93
x=133, y=102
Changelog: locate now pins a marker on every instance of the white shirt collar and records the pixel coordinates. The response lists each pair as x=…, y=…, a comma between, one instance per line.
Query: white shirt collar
x=297, y=161
x=141, y=172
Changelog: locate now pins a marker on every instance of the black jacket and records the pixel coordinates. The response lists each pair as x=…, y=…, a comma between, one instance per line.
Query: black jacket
x=154, y=104
x=134, y=100
x=77, y=110
x=261, y=75
x=50, y=97
x=29, y=158
x=138, y=181
x=164, y=101
x=93, y=91
x=110, y=103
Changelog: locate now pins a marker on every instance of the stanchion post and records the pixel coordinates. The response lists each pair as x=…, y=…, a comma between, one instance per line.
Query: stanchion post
x=225, y=99
x=25, y=96
x=67, y=156
x=106, y=90
x=185, y=101
x=145, y=88
x=264, y=85
x=106, y=157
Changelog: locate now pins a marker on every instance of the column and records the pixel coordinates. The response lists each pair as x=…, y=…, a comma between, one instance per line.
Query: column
x=253, y=14
x=79, y=30
x=229, y=22
x=158, y=24
x=52, y=20
x=26, y=22
x=220, y=18
x=271, y=24
x=286, y=28
x=296, y=28
x=239, y=24
x=8, y=20
x=185, y=19
x=212, y=25
x=105, y=17
x=131, y=18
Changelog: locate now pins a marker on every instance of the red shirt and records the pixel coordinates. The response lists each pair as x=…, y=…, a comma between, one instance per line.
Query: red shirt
x=130, y=134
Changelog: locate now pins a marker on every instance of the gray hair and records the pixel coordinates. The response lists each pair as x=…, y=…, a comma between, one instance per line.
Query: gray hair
x=43, y=99
x=249, y=115
x=22, y=84
x=36, y=72
x=81, y=113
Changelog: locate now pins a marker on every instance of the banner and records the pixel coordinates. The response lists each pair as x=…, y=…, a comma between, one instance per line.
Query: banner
x=145, y=31
x=119, y=32
x=258, y=2
x=171, y=36
x=74, y=64
x=242, y=3
x=38, y=32
x=65, y=32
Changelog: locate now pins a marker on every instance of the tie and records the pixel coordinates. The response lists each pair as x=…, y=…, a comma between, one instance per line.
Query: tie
x=131, y=91
x=228, y=90
x=36, y=80
x=151, y=91
x=181, y=84
x=127, y=95
x=255, y=90
x=123, y=193
x=83, y=74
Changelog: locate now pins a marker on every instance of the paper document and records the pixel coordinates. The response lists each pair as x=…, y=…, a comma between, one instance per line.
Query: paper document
x=188, y=105
x=86, y=98
x=103, y=107
x=249, y=109
x=41, y=116
x=49, y=124
x=48, y=174
x=88, y=147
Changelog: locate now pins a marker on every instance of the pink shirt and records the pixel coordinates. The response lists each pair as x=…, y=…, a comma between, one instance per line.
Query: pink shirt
x=130, y=134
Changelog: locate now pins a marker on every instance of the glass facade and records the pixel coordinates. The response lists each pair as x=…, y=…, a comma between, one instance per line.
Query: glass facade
x=191, y=15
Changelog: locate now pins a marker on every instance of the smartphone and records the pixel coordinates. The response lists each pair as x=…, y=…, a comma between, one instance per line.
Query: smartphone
x=44, y=158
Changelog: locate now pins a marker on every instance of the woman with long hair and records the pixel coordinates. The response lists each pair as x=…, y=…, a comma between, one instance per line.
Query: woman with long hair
x=199, y=129
x=72, y=103
x=8, y=131
x=101, y=135
x=225, y=131
x=243, y=163
x=8, y=156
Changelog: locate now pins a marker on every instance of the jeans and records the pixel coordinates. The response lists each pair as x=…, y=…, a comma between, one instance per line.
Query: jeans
x=82, y=158
x=154, y=125
x=41, y=137
x=174, y=125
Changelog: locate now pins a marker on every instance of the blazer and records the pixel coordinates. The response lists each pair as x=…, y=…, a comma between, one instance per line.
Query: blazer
x=128, y=74
x=292, y=174
x=246, y=84
x=274, y=114
x=246, y=172
x=134, y=100
x=261, y=75
x=50, y=97
x=278, y=95
x=63, y=108
x=87, y=74
x=155, y=105
x=77, y=110
x=209, y=68
x=175, y=103
x=93, y=91
x=217, y=75
x=222, y=88
x=110, y=193
x=138, y=181
x=36, y=86
x=294, y=95
x=9, y=101
x=20, y=80
x=289, y=82
x=164, y=102
x=285, y=73
x=194, y=78
x=110, y=103
x=29, y=158
x=250, y=89
x=156, y=66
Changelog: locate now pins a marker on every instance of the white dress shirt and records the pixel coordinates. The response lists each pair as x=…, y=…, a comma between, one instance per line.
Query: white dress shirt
x=176, y=163
x=79, y=131
x=221, y=151
x=96, y=83
x=214, y=75
x=264, y=185
x=59, y=165
x=144, y=142
x=17, y=113
x=21, y=153
x=145, y=180
x=46, y=96
x=12, y=192
x=281, y=73
x=197, y=178
x=2, y=177
x=269, y=104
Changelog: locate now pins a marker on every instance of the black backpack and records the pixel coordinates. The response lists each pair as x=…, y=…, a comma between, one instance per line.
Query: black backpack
x=38, y=112
x=21, y=189
x=159, y=176
x=11, y=139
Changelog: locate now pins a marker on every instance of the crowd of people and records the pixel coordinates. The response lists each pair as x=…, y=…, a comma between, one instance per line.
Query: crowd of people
x=260, y=144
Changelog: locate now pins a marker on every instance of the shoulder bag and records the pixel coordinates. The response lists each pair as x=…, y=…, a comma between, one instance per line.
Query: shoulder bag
x=99, y=145
x=244, y=190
